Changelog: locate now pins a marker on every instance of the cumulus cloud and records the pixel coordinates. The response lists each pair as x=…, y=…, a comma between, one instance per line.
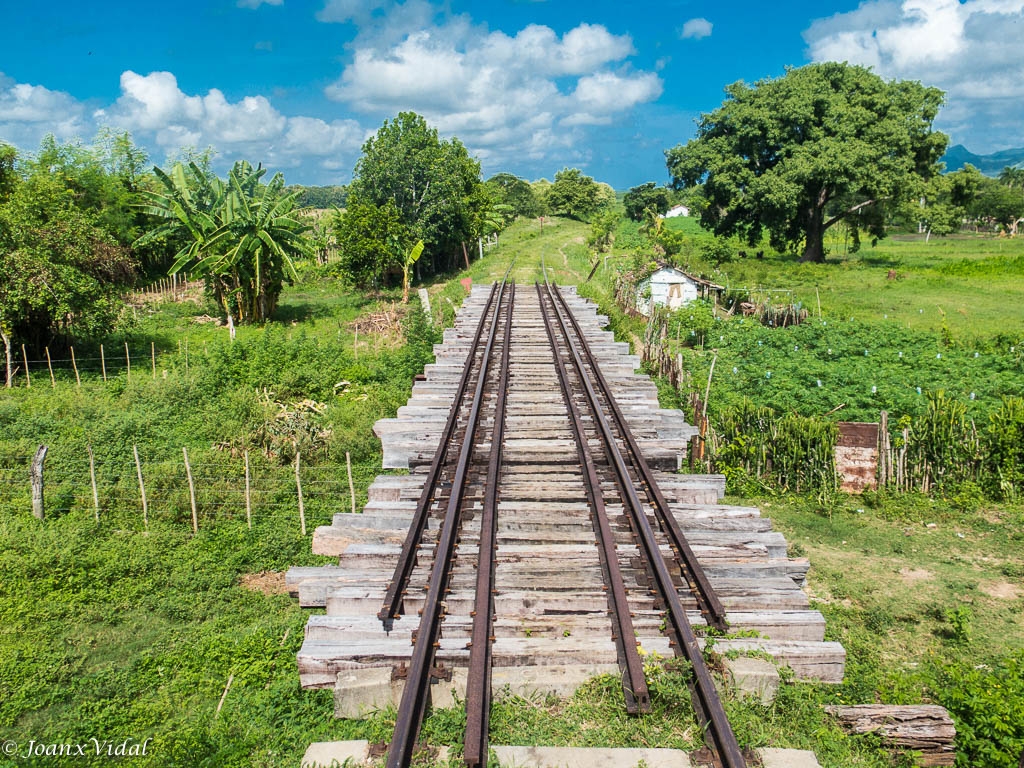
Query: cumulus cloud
x=29, y=112
x=154, y=107
x=969, y=49
x=505, y=95
x=696, y=29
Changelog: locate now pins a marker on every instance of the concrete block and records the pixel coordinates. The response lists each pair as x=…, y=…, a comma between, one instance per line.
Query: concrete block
x=579, y=757
x=787, y=758
x=755, y=677
x=448, y=693
x=559, y=679
x=334, y=754
x=358, y=692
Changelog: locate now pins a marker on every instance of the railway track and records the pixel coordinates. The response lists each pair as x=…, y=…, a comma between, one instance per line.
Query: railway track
x=542, y=537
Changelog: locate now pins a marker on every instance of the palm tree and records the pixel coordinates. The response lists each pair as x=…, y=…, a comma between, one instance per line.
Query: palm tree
x=1012, y=177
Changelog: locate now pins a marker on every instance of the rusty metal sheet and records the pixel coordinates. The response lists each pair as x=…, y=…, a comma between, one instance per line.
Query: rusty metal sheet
x=856, y=434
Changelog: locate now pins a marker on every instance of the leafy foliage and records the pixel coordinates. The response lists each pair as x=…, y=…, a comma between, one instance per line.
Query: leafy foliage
x=371, y=240
x=646, y=197
x=434, y=185
x=573, y=194
x=987, y=705
x=334, y=196
x=516, y=193
x=60, y=272
x=795, y=155
x=241, y=235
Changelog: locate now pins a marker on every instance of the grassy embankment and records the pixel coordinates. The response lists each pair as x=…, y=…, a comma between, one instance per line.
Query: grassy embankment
x=112, y=632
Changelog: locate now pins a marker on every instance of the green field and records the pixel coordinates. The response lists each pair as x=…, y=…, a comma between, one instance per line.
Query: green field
x=113, y=631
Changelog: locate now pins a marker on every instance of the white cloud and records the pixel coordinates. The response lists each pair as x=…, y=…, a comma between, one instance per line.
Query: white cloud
x=970, y=49
x=607, y=92
x=697, y=29
x=29, y=112
x=258, y=3
x=505, y=95
x=154, y=106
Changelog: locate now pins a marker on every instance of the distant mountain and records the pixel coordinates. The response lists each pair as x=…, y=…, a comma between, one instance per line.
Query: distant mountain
x=958, y=156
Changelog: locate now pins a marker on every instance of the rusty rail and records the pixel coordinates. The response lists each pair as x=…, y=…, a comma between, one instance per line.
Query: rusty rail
x=692, y=572
x=413, y=705
x=392, y=607
x=478, y=684
x=634, y=684
x=707, y=703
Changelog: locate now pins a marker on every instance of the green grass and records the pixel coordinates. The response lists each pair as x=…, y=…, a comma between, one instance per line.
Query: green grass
x=966, y=284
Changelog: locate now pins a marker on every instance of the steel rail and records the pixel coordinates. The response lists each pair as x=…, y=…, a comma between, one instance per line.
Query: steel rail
x=478, y=683
x=393, y=599
x=413, y=705
x=692, y=572
x=707, y=703
x=634, y=683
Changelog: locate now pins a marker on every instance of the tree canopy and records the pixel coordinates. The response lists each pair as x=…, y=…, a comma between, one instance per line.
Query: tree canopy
x=61, y=270
x=574, y=194
x=795, y=155
x=371, y=240
x=516, y=193
x=433, y=184
x=645, y=197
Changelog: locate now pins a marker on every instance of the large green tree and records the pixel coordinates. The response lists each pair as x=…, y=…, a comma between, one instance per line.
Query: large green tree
x=573, y=194
x=371, y=240
x=797, y=154
x=61, y=272
x=517, y=194
x=645, y=197
x=433, y=184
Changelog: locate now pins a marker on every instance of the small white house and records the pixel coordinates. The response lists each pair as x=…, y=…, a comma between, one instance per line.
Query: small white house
x=679, y=210
x=672, y=288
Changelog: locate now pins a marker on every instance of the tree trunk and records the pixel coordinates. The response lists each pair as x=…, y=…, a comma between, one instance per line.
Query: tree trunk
x=465, y=255
x=9, y=370
x=814, y=250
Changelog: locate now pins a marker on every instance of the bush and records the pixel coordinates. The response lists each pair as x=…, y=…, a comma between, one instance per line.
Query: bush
x=987, y=705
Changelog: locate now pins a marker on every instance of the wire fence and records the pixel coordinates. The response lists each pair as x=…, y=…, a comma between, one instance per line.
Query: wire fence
x=190, y=489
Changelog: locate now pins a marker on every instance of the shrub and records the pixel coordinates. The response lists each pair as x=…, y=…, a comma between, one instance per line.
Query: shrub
x=987, y=705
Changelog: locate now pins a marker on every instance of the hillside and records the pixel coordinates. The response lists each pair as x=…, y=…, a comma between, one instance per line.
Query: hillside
x=958, y=156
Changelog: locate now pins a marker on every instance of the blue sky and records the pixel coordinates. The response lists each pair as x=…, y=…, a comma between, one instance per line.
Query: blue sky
x=528, y=86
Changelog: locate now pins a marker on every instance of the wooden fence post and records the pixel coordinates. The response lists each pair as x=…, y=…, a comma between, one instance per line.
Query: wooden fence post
x=92, y=479
x=248, y=497
x=28, y=379
x=103, y=362
x=142, y=488
x=351, y=487
x=49, y=365
x=37, y=482
x=298, y=488
x=128, y=360
x=74, y=364
x=191, y=491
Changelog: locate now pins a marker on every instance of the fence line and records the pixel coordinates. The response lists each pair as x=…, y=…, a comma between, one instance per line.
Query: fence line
x=182, y=490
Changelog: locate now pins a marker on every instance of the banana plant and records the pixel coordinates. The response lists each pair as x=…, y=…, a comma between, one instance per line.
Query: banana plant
x=242, y=236
x=407, y=264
